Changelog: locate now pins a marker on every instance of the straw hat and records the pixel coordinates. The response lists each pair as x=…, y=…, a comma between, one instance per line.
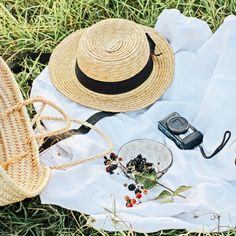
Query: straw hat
x=21, y=173
x=115, y=65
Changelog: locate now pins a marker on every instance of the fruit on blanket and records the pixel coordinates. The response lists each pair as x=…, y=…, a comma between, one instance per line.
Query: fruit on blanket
x=107, y=162
x=109, y=169
x=113, y=156
x=138, y=195
x=114, y=166
x=137, y=190
x=127, y=198
x=131, y=187
x=130, y=204
x=133, y=201
x=145, y=191
x=141, y=171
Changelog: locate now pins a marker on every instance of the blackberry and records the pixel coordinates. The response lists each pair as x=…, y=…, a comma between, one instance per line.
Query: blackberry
x=139, y=168
x=149, y=164
x=134, y=162
x=131, y=187
x=114, y=166
x=137, y=190
x=113, y=156
x=151, y=170
x=138, y=159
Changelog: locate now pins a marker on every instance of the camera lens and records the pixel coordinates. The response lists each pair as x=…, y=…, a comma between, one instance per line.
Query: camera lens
x=177, y=124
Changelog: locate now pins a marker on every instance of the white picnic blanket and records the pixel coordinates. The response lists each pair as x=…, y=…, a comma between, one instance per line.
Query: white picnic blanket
x=204, y=92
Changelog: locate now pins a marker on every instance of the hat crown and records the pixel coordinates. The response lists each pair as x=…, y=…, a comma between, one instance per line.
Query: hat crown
x=113, y=50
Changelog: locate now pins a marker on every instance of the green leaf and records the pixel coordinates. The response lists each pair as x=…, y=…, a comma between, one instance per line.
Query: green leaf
x=181, y=189
x=165, y=197
x=148, y=180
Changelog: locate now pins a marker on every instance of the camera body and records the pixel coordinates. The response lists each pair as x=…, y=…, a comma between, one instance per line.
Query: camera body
x=180, y=131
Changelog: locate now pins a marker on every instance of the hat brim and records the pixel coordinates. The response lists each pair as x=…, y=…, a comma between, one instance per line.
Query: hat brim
x=24, y=177
x=62, y=75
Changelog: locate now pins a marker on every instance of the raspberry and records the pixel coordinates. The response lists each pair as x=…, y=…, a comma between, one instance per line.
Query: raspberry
x=138, y=195
x=127, y=198
x=145, y=191
x=108, y=169
x=133, y=201
x=107, y=162
x=129, y=204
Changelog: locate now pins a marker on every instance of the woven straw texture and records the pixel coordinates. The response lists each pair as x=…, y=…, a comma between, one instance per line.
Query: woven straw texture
x=112, y=50
x=21, y=173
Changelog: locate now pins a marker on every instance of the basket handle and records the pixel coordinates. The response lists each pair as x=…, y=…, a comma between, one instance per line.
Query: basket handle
x=65, y=118
x=89, y=158
x=37, y=117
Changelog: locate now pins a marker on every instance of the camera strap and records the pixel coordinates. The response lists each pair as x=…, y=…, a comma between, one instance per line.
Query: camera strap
x=15, y=64
x=226, y=138
x=43, y=58
x=50, y=141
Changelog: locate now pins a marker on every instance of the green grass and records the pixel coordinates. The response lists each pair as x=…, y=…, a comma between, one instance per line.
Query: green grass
x=39, y=26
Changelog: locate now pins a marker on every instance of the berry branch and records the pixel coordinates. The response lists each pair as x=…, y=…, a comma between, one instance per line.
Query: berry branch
x=144, y=175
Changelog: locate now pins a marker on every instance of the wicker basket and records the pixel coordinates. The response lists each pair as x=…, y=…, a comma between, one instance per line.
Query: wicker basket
x=21, y=173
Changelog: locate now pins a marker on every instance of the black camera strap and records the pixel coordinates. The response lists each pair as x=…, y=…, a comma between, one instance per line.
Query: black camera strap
x=50, y=141
x=15, y=65
x=226, y=138
x=43, y=58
